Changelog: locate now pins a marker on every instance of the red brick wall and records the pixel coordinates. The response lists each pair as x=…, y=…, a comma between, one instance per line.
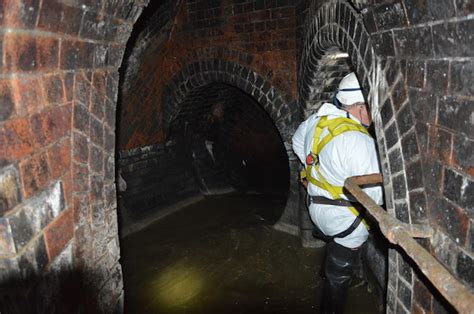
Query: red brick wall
x=263, y=30
x=57, y=131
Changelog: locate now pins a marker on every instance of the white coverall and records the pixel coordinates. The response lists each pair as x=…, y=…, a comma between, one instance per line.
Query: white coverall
x=348, y=154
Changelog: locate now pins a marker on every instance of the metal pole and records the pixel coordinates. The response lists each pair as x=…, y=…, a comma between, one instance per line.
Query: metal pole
x=395, y=231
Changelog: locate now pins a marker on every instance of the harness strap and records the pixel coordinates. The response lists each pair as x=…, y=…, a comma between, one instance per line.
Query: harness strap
x=335, y=127
x=328, y=201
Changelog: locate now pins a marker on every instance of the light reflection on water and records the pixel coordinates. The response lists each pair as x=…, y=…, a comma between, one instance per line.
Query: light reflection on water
x=222, y=256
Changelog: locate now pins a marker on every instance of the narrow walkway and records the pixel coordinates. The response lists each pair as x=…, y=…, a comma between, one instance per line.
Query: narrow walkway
x=221, y=256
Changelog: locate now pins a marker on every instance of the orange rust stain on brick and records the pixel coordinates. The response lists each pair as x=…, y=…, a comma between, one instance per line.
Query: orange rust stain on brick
x=34, y=174
x=52, y=124
x=17, y=138
x=58, y=233
x=163, y=62
x=59, y=156
x=28, y=95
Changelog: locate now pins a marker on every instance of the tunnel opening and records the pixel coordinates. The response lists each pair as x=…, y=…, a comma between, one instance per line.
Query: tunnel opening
x=231, y=142
x=221, y=141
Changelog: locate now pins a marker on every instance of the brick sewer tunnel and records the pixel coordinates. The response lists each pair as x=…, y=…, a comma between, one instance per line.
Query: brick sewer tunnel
x=96, y=89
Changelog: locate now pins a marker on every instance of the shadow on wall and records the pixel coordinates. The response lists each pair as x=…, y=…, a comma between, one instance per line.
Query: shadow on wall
x=63, y=292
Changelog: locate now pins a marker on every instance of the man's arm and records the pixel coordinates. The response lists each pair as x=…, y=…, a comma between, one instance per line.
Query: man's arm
x=359, y=157
x=298, y=141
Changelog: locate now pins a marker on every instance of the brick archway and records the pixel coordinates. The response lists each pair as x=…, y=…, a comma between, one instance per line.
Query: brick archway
x=204, y=72
x=337, y=29
x=284, y=116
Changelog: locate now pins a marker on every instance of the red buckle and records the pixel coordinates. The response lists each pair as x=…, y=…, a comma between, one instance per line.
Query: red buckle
x=311, y=159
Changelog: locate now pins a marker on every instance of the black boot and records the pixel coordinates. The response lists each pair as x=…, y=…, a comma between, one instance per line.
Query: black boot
x=338, y=271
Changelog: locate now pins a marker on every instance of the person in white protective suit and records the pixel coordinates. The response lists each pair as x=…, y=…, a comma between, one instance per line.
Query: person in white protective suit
x=334, y=144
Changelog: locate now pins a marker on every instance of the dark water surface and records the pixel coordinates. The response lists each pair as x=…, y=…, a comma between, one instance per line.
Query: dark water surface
x=222, y=255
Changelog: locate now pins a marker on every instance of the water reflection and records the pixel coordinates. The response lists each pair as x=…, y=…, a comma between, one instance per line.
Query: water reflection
x=221, y=255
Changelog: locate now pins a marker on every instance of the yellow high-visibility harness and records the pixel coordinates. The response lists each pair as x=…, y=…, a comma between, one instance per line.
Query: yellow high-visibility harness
x=335, y=127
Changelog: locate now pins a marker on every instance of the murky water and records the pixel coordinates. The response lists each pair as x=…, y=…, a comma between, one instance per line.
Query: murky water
x=221, y=255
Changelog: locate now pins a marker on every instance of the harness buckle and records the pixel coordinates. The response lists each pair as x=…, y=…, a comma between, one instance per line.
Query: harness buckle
x=311, y=159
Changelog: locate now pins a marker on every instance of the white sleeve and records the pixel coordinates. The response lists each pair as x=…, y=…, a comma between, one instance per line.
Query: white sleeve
x=359, y=157
x=298, y=141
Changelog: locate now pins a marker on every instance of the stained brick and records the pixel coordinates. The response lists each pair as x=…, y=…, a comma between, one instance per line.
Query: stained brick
x=93, y=26
x=413, y=42
x=34, y=174
x=452, y=185
x=414, y=175
x=399, y=187
x=34, y=259
x=97, y=132
x=21, y=229
x=453, y=113
x=80, y=177
x=404, y=294
x=54, y=89
x=428, y=10
x=96, y=159
x=401, y=212
x=21, y=13
x=83, y=88
x=423, y=105
x=52, y=124
x=410, y=147
x=464, y=6
x=9, y=189
x=80, y=207
x=96, y=187
x=454, y=39
x=7, y=246
x=28, y=96
x=98, y=214
x=462, y=76
x=465, y=268
x=404, y=120
x=422, y=296
x=50, y=16
x=76, y=54
x=80, y=148
x=437, y=76
x=58, y=234
x=6, y=100
x=28, y=53
x=59, y=157
x=71, y=20
x=396, y=161
x=390, y=15
x=421, y=130
x=418, y=207
x=81, y=118
x=383, y=44
x=391, y=135
x=415, y=73
x=432, y=176
x=387, y=111
x=463, y=154
x=453, y=220
x=399, y=94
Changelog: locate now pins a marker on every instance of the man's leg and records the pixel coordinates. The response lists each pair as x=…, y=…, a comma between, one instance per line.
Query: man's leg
x=338, y=270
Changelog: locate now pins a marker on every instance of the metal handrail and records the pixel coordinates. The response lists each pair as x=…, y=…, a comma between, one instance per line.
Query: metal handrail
x=397, y=233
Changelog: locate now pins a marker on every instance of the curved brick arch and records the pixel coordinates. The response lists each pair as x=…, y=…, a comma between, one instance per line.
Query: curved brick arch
x=205, y=72
x=336, y=25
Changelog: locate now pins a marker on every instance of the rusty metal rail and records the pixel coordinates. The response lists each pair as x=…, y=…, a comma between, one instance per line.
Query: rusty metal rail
x=402, y=235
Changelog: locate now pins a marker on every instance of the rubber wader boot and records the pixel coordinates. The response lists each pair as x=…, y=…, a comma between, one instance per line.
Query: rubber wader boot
x=338, y=270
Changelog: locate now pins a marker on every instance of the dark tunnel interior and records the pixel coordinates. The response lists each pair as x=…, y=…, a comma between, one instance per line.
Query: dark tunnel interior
x=146, y=161
x=221, y=141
